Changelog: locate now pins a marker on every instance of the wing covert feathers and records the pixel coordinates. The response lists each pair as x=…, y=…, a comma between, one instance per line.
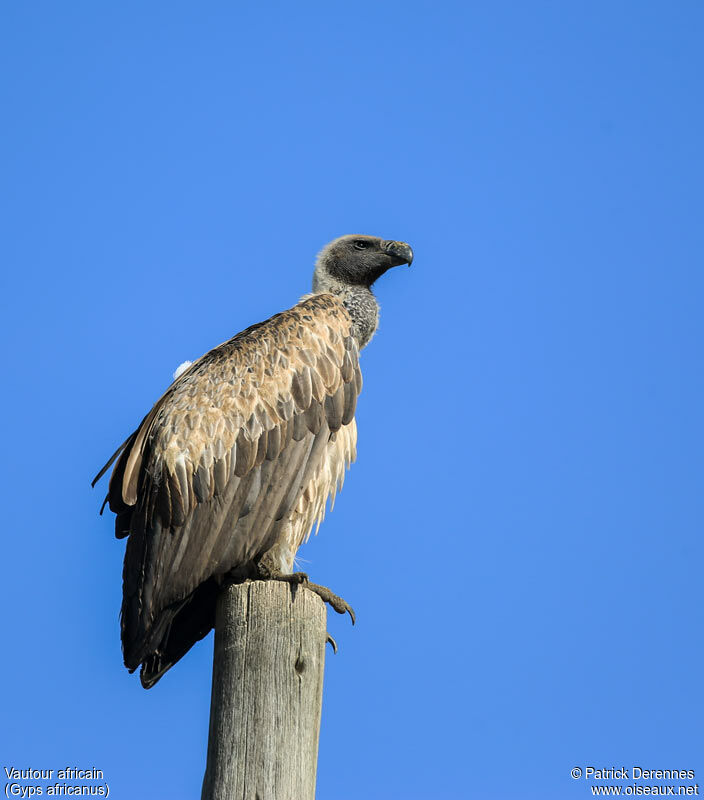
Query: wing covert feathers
x=241, y=452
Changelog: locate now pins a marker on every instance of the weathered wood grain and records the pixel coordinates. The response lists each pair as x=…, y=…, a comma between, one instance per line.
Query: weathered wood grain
x=267, y=693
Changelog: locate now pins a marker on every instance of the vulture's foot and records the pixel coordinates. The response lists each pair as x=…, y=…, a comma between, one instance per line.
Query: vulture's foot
x=267, y=572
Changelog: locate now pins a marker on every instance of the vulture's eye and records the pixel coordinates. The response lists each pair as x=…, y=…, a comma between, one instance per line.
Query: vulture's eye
x=360, y=244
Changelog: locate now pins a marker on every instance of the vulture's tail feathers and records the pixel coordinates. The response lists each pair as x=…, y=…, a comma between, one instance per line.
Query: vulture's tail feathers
x=193, y=619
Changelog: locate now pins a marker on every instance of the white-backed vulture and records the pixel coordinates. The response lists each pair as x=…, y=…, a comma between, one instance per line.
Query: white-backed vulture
x=233, y=466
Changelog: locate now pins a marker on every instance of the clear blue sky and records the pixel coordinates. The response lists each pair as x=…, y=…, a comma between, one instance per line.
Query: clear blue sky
x=521, y=535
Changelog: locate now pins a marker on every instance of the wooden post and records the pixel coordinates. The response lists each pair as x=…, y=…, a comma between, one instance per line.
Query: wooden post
x=267, y=693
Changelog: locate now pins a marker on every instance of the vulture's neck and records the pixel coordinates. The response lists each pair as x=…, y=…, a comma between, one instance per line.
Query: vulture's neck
x=359, y=302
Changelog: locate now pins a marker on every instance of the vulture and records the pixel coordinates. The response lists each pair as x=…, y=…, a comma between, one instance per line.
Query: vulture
x=232, y=468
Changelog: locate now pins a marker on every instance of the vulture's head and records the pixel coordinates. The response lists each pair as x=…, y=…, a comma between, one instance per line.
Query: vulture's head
x=356, y=260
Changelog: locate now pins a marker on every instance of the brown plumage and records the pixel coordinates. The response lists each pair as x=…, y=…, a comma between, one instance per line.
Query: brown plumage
x=234, y=463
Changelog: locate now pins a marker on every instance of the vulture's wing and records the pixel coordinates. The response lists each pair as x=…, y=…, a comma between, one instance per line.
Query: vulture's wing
x=219, y=465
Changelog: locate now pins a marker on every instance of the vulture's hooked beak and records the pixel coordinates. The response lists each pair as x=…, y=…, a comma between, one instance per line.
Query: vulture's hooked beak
x=399, y=250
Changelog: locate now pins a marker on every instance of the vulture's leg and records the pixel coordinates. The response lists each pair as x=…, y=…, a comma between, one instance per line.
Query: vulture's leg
x=269, y=571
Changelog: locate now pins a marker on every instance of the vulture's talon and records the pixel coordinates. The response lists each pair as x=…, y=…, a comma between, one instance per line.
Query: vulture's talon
x=331, y=641
x=340, y=605
x=269, y=573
